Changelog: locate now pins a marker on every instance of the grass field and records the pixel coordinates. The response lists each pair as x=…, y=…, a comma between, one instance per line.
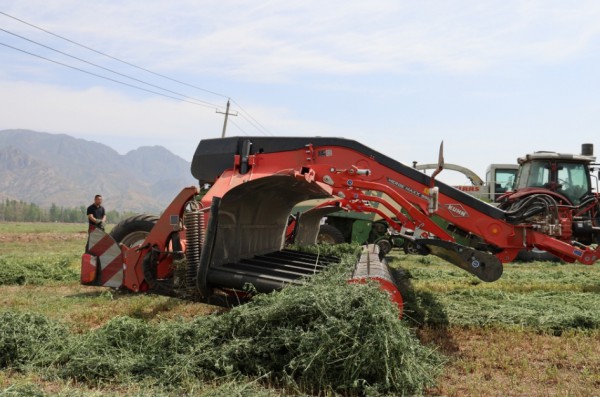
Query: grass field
x=535, y=332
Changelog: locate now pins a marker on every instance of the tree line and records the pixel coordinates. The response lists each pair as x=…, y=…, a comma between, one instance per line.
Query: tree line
x=20, y=211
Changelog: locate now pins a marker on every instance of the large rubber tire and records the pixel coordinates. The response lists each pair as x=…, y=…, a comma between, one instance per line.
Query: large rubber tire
x=536, y=256
x=411, y=248
x=330, y=235
x=132, y=231
x=385, y=246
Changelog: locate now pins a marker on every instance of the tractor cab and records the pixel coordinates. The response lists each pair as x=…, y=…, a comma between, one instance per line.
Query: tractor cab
x=567, y=175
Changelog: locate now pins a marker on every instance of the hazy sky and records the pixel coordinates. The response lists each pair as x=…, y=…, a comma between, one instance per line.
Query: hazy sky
x=493, y=79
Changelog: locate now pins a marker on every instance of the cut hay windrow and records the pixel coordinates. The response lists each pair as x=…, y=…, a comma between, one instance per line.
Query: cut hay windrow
x=542, y=297
x=36, y=270
x=323, y=336
x=516, y=278
x=543, y=311
x=27, y=338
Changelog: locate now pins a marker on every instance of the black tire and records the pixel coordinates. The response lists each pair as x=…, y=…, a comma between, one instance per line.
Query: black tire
x=536, y=256
x=385, y=246
x=133, y=230
x=330, y=235
x=411, y=248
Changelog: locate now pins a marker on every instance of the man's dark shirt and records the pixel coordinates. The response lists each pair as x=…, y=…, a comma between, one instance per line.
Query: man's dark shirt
x=98, y=213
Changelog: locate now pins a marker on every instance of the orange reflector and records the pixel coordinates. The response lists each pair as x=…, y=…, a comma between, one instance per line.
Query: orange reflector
x=88, y=268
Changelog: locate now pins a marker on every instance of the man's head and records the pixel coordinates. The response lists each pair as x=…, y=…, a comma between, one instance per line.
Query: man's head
x=98, y=199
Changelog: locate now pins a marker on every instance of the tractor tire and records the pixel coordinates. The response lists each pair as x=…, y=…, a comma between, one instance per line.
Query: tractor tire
x=536, y=255
x=132, y=231
x=411, y=248
x=385, y=246
x=330, y=235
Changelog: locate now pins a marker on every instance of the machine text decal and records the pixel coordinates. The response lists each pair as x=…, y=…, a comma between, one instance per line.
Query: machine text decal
x=457, y=210
x=408, y=189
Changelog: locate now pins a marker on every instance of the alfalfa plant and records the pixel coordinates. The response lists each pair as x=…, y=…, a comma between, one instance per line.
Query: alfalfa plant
x=36, y=270
x=30, y=339
x=325, y=336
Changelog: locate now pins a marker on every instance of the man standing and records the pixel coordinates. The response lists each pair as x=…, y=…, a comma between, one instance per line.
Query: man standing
x=96, y=214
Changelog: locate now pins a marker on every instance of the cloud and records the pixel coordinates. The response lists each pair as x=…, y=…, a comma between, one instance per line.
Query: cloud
x=396, y=75
x=279, y=41
x=126, y=122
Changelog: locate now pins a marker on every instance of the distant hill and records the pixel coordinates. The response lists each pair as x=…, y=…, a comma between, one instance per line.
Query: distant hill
x=56, y=168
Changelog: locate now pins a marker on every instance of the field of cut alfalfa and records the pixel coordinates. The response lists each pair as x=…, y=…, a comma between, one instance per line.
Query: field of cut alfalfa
x=535, y=332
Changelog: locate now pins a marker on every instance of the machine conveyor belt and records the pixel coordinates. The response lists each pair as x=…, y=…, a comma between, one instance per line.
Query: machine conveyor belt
x=270, y=271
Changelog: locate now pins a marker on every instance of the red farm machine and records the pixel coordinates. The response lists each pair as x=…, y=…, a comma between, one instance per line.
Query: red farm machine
x=210, y=247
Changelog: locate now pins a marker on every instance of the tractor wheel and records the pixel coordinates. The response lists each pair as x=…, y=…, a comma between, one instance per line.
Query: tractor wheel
x=385, y=246
x=330, y=235
x=411, y=248
x=132, y=231
x=536, y=255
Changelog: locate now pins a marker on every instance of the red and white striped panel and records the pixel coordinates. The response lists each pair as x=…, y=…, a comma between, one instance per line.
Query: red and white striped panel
x=109, y=254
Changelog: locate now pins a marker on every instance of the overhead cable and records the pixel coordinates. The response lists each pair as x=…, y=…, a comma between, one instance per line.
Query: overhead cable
x=109, y=70
x=103, y=77
x=113, y=57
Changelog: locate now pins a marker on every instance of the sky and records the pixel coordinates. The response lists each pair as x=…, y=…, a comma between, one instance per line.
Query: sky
x=492, y=79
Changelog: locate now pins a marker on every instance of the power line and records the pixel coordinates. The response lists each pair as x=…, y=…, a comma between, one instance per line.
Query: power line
x=264, y=130
x=112, y=57
x=249, y=117
x=108, y=70
x=103, y=77
x=239, y=128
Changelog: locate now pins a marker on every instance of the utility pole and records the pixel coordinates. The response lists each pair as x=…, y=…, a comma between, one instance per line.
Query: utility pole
x=226, y=117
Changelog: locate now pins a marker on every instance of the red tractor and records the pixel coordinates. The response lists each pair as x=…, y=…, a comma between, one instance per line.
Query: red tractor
x=553, y=193
x=209, y=248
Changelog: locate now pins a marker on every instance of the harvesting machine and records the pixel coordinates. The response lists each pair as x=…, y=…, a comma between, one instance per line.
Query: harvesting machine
x=210, y=247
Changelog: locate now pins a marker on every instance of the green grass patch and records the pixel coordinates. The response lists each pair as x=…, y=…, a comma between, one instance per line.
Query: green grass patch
x=544, y=311
x=326, y=336
x=42, y=227
x=541, y=296
x=36, y=270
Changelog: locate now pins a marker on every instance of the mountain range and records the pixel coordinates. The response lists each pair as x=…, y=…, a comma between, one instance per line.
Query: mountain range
x=59, y=169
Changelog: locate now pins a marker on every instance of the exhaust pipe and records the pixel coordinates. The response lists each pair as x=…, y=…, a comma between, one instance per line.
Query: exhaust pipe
x=587, y=149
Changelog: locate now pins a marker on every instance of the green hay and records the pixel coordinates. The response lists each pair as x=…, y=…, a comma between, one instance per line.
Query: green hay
x=27, y=338
x=233, y=388
x=547, y=276
x=326, y=336
x=543, y=297
x=22, y=390
x=339, y=250
x=544, y=311
x=36, y=270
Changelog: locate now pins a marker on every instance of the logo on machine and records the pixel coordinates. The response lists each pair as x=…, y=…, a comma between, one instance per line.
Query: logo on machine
x=457, y=210
x=468, y=188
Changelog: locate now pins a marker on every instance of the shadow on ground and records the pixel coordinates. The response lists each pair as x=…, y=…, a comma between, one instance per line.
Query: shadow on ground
x=424, y=312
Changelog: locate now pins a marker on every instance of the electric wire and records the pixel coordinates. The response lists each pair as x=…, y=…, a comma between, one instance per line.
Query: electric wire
x=250, y=116
x=108, y=70
x=238, y=127
x=103, y=77
x=112, y=57
x=244, y=114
